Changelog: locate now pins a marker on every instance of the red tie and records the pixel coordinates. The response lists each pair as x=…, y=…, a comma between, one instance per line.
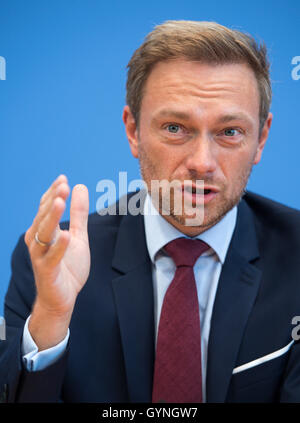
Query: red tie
x=177, y=372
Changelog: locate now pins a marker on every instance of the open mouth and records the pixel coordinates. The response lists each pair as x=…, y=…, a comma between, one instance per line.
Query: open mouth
x=200, y=196
x=199, y=191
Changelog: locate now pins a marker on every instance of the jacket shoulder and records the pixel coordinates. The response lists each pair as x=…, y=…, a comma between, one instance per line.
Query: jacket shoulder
x=263, y=205
x=274, y=217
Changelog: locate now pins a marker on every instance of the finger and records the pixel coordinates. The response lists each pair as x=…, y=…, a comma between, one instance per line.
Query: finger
x=79, y=211
x=48, y=227
x=59, y=180
x=62, y=191
x=55, y=254
x=44, y=204
x=58, y=189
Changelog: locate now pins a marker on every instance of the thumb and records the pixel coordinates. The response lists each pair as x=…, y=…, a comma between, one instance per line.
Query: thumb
x=79, y=210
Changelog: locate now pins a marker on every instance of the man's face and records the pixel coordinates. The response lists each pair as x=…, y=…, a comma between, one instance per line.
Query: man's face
x=199, y=122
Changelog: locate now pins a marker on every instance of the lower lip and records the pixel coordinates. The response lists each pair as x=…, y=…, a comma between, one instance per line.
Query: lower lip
x=199, y=198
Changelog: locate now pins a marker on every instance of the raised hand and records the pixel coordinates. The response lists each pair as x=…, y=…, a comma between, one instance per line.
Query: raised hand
x=60, y=261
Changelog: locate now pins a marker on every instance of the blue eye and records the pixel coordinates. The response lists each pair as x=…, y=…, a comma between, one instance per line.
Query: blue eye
x=230, y=132
x=173, y=128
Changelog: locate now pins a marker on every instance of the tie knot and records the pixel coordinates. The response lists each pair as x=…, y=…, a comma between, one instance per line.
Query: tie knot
x=185, y=251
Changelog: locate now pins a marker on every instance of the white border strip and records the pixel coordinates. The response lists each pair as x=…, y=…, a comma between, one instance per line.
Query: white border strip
x=263, y=359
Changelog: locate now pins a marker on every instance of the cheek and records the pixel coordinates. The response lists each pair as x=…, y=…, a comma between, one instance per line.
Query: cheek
x=235, y=166
x=162, y=157
x=148, y=145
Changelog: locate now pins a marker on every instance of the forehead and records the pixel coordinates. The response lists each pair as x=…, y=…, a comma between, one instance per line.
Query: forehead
x=201, y=87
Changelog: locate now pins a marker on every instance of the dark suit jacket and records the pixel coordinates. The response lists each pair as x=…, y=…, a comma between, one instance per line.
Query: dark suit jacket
x=110, y=355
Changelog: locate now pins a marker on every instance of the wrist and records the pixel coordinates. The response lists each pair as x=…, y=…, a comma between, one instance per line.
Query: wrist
x=48, y=328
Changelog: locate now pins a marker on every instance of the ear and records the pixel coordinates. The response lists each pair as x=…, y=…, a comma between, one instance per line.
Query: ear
x=263, y=138
x=131, y=130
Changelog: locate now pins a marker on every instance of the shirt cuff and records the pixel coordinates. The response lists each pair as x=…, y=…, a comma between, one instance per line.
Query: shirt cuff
x=35, y=360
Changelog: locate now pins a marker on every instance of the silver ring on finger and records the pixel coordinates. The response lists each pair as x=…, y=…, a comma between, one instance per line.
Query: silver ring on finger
x=43, y=244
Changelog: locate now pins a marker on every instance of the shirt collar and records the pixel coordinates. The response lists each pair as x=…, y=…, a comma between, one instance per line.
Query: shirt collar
x=159, y=232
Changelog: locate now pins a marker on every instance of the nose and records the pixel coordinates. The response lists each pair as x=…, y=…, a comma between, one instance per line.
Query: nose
x=202, y=156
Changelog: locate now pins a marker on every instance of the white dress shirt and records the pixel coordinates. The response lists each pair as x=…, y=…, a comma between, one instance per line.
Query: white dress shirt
x=207, y=271
x=207, y=268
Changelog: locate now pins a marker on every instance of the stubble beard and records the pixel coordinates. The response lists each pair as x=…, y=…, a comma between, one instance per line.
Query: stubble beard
x=148, y=169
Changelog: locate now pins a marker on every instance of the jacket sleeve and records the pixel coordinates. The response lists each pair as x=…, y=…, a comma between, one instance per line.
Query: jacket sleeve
x=17, y=384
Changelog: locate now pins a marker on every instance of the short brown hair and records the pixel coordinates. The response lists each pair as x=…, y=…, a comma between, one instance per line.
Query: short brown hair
x=207, y=42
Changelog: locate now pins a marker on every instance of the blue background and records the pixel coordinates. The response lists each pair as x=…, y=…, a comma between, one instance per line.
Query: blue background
x=61, y=104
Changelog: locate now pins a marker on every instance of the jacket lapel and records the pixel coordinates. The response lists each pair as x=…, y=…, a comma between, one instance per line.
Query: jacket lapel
x=236, y=293
x=133, y=290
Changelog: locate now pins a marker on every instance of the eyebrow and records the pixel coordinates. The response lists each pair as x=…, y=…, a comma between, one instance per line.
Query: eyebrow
x=185, y=116
x=237, y=116
x=175, y=113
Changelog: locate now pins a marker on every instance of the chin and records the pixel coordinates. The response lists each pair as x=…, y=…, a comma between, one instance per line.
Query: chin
x=193, y=226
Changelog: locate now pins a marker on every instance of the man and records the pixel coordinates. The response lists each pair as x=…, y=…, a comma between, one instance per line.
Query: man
x=104, y=309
